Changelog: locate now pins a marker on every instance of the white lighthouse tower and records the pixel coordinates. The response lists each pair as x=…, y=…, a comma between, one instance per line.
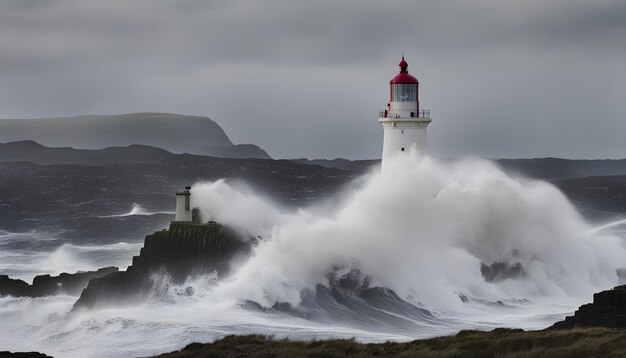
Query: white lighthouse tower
x=183, y=207
x=403, y=122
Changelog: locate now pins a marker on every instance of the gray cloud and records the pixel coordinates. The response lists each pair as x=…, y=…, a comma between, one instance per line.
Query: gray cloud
x=502, y=78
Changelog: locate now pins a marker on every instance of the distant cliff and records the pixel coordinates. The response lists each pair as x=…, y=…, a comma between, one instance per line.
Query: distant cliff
x=31, y=151
x=173, y=132
x=182, y=251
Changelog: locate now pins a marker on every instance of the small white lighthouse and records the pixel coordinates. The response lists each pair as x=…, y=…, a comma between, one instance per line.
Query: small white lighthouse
x=183, y=205
x=403, y=122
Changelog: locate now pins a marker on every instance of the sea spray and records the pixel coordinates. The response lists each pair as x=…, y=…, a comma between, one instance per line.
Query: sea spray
x=609, y=225
x=237, y=206
x=422, y=228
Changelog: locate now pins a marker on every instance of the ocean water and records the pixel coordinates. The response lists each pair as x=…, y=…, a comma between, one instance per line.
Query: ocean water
x=396, y=256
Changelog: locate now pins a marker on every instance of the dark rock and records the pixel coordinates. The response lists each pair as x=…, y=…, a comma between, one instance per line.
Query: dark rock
x=500, y=271
x=607, y=310
x=185, y=250
x=11, y=287
x=46, y=285
x=7, y=354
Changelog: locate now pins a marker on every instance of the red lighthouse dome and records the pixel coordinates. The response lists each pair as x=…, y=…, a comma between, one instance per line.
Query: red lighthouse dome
x=403, y=87
x=403, y=76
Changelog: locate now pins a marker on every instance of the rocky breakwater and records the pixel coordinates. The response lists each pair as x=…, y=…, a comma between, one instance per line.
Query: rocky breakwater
x=46, y=285
x=168, y=256
x=607, y=310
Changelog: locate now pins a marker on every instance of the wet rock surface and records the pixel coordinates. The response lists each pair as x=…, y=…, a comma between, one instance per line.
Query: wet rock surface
x=608, y=309
x=182, y=251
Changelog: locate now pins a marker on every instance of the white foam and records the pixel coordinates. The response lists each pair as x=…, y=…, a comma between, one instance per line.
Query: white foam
x=422, y=228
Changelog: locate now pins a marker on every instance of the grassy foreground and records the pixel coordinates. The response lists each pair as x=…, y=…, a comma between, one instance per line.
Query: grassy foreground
x=579, y=342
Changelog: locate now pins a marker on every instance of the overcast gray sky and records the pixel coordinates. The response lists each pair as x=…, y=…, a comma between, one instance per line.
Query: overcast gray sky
x=502, y=78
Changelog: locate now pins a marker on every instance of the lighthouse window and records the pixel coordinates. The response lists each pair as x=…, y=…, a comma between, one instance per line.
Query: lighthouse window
x=404, y=92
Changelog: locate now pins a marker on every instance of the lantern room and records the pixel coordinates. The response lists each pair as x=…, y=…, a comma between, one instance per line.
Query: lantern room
x=403, y=96
x=403, y=86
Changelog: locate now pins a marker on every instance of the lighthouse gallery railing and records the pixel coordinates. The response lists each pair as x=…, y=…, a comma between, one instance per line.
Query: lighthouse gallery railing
x=424, y=113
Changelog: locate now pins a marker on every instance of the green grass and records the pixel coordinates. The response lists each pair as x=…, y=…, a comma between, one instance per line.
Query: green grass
x=516, y=343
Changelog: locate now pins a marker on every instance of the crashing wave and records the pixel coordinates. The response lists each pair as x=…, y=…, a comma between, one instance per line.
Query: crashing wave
x=137, y=209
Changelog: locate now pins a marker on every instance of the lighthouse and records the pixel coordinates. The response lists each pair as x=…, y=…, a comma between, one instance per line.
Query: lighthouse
x=404, y=123
x=183, y=207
